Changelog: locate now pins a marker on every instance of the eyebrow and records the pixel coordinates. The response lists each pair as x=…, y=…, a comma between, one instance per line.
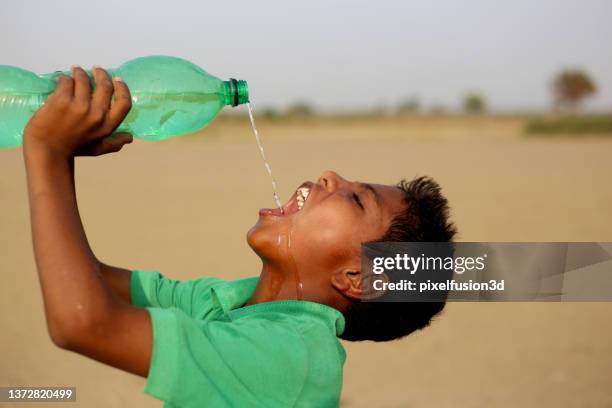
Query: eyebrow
x=369, y=187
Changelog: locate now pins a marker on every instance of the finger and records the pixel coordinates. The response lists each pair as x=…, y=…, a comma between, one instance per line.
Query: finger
x=64, y=90
x=65, y=86
x=109, y=144
x=103, y=92
x=115, y=142
x=121, y=106
x=121, y=138
x=82, y=86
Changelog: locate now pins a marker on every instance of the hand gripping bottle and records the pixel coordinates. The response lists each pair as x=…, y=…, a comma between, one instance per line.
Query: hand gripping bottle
x=170, y=97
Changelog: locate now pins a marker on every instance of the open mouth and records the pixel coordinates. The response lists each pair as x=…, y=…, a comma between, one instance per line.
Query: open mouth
x=295, y=204
x=301, y=195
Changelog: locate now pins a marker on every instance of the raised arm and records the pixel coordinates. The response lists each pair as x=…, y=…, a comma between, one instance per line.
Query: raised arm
x=83, y=314
x=116, y=278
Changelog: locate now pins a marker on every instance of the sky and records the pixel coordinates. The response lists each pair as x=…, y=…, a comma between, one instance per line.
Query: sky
x=334, y=55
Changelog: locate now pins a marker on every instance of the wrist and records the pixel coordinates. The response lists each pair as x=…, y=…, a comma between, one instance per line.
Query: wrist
x=37, y=151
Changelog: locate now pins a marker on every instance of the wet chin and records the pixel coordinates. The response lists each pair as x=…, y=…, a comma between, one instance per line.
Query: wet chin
x=262, y=240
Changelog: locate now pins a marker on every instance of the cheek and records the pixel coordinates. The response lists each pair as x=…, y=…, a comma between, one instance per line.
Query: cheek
x=325, y=242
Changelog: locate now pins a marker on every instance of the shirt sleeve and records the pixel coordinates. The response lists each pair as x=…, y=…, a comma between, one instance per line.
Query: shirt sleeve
x=152, y=289
x=246, y=362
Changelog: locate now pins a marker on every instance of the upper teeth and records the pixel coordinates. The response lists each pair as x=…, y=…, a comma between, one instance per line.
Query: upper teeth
x=302, y=195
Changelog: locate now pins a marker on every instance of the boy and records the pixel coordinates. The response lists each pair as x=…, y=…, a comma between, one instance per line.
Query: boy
x=270, y=341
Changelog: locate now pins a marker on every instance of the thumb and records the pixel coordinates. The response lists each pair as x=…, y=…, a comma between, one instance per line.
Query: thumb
x=113, y=143
x=119, y=138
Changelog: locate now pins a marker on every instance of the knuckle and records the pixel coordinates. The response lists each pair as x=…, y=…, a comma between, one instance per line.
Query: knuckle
x=123, y=108
x=62, y=79
x=126, y=100
x=66, y=81
x=103, y=94
x=102, y=91
x=96, y=116
x=62, y=101
x=127, y=96
x=104, y=82
x=62, y=83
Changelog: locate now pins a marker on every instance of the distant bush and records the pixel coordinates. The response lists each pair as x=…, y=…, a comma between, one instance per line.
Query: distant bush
x=270, y=113
x=301, y=109
x=474, y=103
x=571, y=86
x=408, y=106
x=570, y=125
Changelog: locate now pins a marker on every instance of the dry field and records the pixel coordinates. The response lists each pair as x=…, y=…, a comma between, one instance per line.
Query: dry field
x=183, y=207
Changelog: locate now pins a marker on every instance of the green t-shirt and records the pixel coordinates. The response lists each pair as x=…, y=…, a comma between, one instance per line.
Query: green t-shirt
x=209, y=350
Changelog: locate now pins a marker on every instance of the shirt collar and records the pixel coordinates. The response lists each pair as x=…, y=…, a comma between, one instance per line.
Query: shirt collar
x=233, y=295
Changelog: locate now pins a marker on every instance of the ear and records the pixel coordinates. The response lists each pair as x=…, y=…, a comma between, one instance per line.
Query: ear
x=347, y=282
x=355, y=285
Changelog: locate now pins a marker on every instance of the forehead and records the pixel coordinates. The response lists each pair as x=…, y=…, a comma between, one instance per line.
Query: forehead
x=390, y=200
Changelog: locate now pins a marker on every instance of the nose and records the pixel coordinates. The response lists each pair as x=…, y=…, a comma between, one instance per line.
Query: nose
x=331, y=181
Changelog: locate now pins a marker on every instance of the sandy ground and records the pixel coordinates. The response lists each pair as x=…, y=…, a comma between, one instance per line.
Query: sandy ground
x=184, y=206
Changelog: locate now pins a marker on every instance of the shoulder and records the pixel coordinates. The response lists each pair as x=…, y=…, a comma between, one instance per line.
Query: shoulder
x=306, y=352
x=290, y=337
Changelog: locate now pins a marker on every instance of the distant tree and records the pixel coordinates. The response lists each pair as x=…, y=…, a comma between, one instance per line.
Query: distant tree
x=300, y=109
x=410, y=105
x=571, y=87
x=270, y=113
x=474, y=103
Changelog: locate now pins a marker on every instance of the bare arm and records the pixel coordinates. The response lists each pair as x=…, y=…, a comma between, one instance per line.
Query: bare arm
x=116, y=278
x=83, y=313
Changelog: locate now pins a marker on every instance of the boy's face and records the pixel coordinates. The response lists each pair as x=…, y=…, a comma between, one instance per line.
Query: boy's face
x=322, y=236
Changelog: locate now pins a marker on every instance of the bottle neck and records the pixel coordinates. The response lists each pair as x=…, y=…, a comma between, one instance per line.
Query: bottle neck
x=235, y=92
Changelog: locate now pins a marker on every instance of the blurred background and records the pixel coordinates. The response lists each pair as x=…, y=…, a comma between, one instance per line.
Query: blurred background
x=507, y=104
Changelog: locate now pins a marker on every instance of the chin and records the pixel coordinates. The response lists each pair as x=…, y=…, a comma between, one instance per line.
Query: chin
x=263, y=241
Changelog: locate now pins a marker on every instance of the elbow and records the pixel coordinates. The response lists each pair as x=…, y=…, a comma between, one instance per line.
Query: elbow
x=74, y=332
x=60, y=337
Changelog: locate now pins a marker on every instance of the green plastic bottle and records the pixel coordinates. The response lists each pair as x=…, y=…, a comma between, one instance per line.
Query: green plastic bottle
x=170, y=97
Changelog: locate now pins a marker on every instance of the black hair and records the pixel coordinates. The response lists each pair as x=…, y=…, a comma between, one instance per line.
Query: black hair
x=425, y=218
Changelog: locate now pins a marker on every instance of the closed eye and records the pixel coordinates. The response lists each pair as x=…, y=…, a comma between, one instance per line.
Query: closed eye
x=357, y=200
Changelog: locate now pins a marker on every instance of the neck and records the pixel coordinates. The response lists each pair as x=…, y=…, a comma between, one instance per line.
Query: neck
x=276, y=283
